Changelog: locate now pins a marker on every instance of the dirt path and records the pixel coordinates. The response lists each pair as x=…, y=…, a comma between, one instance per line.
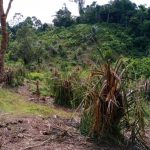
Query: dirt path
x=24, y=91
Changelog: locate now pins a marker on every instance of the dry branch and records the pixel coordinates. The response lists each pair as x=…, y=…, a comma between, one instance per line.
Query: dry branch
x=47, y=140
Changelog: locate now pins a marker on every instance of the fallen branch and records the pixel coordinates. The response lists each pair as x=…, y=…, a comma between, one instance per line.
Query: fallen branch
x=41, y=144
x=44, y=142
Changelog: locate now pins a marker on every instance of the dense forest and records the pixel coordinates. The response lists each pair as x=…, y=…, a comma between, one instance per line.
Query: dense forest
x=95, y=67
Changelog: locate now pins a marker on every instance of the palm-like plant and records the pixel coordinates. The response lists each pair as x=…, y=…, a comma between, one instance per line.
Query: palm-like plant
x=107, y=105
x=106, y=98
x=68, y=88
x=62, y=89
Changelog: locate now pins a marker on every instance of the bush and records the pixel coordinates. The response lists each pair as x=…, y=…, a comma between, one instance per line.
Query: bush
x=68, y=89
x=35, y=76
x=139, y=67
x=62, y=88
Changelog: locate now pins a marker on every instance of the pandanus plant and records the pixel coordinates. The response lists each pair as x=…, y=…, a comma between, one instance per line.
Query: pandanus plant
x=68, y=88
x=105, y=98
x=62, y=89
x=108, y=105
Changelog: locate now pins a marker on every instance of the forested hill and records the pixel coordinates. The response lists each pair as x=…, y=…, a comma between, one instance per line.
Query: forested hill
x=75, y=45
x=119, y=28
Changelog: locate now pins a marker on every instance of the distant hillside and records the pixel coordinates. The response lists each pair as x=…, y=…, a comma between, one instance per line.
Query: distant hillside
x=75, y=45
x=83, y=40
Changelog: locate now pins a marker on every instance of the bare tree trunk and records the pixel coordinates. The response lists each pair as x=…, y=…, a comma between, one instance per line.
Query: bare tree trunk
x=108, y=16
x=4, y=40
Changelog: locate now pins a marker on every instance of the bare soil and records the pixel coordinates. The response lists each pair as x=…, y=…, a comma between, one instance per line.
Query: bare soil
x=52, y=133
x=37, y=133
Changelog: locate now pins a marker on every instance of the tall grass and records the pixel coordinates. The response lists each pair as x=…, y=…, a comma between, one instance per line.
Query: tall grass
x=68, y=88
x=14, y=75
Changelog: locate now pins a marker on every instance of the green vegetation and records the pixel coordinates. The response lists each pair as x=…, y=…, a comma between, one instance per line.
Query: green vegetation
x=74, y=62
x=13, y=103
x=64, y=48
x=69, y=89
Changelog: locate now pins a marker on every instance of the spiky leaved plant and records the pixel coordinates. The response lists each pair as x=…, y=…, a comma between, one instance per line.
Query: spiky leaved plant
x=68, y=88
x=62, y=89
x=105, y=99
x=14, y=75
x=109, y=107
x=133, y=122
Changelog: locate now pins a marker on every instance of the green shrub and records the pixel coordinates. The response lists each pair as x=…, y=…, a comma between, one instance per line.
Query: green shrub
x=62, y=88
x=139, y=67
x=86, y=123
x=68, y=89
x=35, y=76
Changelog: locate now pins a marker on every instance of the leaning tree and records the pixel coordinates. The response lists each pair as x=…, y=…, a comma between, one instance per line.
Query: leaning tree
x=4, y=35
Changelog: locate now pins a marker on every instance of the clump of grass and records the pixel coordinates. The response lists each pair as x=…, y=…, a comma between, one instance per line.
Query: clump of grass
x=63, y=92
x=68, y=88
x=14, y=75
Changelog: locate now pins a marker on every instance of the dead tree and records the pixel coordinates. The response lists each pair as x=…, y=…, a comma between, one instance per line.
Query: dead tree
x=4, y=39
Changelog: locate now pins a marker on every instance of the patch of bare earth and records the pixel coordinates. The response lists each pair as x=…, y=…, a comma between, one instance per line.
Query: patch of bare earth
x=53, y=133
x=24, y=91
x=43, y=100
x=37, y=133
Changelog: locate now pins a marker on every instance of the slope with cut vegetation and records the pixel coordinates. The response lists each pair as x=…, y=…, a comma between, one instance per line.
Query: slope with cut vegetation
x=63, y=78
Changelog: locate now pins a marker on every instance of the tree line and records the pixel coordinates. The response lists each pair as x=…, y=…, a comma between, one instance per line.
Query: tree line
x=135, y=19
x=24, y=35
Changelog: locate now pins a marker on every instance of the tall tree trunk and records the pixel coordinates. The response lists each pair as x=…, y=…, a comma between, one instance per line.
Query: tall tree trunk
x=108, y=16
x=4, y=40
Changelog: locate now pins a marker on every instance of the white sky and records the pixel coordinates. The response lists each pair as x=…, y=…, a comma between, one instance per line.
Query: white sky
x=45, y=9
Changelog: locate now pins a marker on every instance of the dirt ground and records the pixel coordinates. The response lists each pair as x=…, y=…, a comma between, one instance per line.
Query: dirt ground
x=52, y=133
x=37, y=133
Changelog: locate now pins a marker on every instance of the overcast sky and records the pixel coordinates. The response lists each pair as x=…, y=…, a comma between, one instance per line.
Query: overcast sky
x=45, y=9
